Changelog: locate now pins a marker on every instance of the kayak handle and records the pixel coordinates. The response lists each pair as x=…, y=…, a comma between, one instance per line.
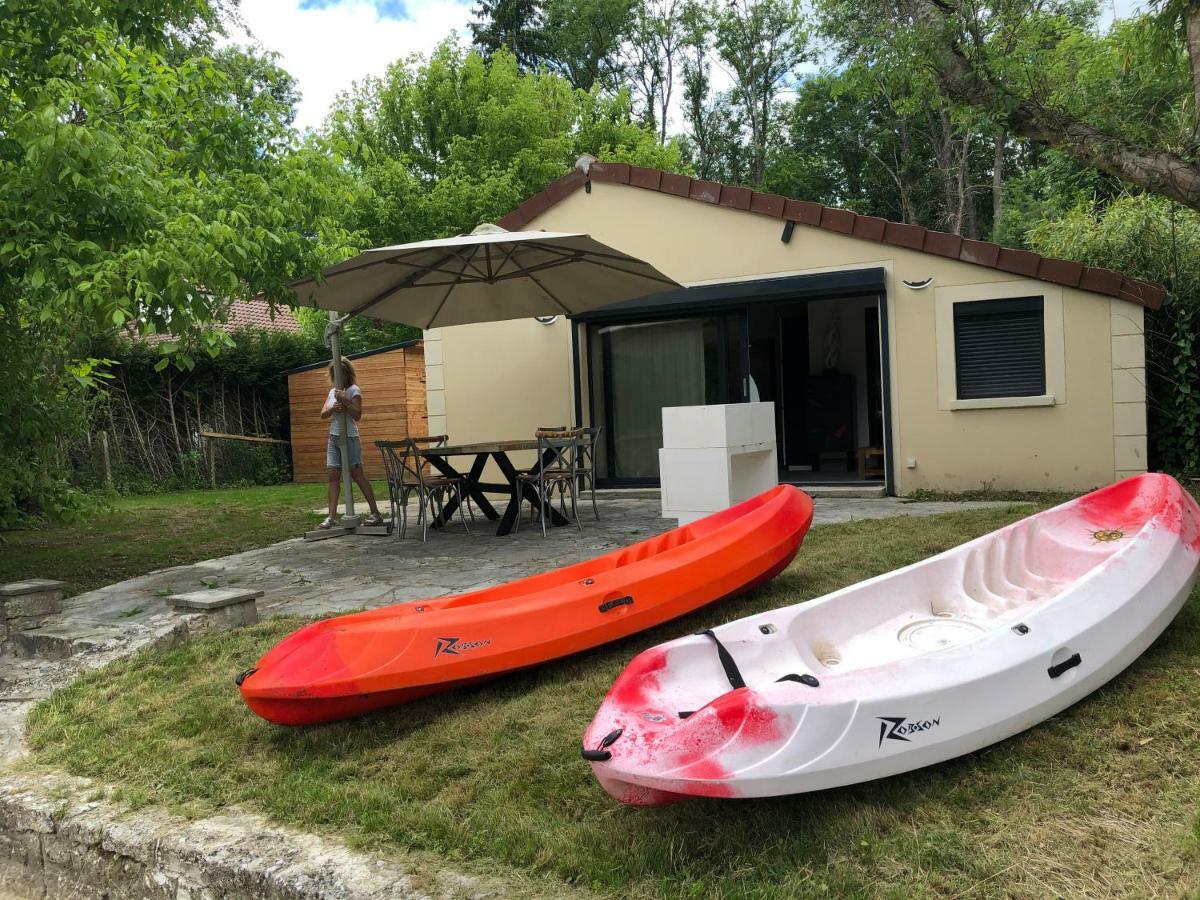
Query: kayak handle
x=601, y=753
x=242, y=676
x=1069, y=663
x=613, y=604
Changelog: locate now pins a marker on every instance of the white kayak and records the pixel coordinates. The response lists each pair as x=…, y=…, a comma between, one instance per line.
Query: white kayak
x=908, y=669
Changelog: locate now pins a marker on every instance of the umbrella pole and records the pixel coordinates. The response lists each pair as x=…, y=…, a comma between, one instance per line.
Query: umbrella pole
x=349, y=519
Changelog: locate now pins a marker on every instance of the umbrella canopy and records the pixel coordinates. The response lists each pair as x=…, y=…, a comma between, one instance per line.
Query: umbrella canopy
x=485, y=276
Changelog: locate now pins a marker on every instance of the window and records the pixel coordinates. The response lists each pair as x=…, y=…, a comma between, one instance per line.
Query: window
x=1000, y=348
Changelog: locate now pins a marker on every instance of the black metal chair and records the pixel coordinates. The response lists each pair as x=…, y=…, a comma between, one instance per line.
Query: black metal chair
x=556, y=471
x=585, y=463
x=404, y=467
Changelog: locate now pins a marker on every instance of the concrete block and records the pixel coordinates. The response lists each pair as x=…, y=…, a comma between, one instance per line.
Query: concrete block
x=437, y=424
x=435, y=403
x=221, y=607
x=1129, y=418
x=715, y=456
x=433, y=353
x=1129, y=385
x=1128, y=351
x=28, y=604
x=435, y=377
x=30, y=586
x=1126, y=318
x=1130, y=452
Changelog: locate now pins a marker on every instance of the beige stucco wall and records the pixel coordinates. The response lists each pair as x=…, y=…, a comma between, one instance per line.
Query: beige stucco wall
x=503, y=379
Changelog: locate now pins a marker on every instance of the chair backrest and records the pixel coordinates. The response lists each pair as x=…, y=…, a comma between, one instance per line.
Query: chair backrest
x=558, y=448
x=589, y=438
x=403, y=464
x=392, y=470
x=429, y=440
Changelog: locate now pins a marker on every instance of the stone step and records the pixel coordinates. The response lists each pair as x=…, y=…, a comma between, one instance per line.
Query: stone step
x=61, y=640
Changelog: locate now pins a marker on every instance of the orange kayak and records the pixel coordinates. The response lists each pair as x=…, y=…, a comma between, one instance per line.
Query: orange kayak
x=349, y=665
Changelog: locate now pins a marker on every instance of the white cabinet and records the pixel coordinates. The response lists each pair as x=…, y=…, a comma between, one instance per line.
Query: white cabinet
x=715, y=456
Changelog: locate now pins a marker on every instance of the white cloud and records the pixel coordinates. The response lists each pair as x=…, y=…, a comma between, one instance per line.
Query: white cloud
x=326, y=49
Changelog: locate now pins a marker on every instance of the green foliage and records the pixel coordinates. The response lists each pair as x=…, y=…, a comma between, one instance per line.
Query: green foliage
x=153, y=417
x=145, y=178
x=1154, y=239
x=446, y=143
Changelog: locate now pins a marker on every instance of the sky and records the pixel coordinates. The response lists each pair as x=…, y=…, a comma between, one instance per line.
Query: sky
x=326, y=45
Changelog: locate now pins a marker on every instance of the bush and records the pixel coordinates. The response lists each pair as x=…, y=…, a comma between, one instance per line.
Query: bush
x=1157, y=240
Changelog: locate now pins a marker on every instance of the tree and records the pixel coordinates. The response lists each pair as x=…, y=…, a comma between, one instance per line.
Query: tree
x=651, y=54
x=145, y=179
x=760, y=42
x=1126, y=102
x=512, y=25
x=444, y=143
x=1156, y=239
x=582, y=39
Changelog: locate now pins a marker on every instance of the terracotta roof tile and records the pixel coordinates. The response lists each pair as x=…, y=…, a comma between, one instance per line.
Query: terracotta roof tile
x=844, y=221
x=645, y=178
x=735, y=197
x=708, y=191
x=767, y=204
x=679, y=185
x=902, y=235
x=803, y=212
x=943, y=244
x=1019, y=262
x=870, y=228
x=242, y=314
x=839, y=220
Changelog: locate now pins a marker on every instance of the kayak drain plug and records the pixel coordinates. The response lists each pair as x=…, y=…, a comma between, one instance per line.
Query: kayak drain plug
x=601, y=753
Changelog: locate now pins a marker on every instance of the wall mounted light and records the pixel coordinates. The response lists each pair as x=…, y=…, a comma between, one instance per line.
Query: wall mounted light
x=546, y=320
x=919, y=285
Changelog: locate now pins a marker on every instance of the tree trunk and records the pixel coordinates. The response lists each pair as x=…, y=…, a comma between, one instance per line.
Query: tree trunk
x=998, y=184
x=1191, y=26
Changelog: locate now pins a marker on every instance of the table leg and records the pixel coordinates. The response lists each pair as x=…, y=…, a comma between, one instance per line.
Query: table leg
x=509, y=519
x=470, y=487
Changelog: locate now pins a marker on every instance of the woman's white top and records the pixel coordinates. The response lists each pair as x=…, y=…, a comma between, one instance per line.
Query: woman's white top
x=335, y=421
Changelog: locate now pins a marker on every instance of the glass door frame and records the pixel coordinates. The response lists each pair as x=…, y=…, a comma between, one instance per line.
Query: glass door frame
x=724, y=388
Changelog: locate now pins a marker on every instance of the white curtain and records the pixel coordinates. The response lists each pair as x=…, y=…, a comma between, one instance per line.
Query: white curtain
x=653, y=365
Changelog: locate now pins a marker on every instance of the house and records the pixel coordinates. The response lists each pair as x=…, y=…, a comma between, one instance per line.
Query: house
x=253, y=313
x=897, y=355
x=393, y=381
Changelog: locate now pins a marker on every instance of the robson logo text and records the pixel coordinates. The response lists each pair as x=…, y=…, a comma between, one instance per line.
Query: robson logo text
x=454, y=646
x=897, y=728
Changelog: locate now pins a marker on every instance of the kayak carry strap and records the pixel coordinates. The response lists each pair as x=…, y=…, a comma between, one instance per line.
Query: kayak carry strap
x=727, y=661
x=602, y=753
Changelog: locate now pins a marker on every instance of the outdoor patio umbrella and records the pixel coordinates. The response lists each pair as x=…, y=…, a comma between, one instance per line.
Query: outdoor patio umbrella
x=486, y=276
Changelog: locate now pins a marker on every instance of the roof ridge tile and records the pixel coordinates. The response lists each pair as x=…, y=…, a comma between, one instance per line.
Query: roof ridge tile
x=1095, y=279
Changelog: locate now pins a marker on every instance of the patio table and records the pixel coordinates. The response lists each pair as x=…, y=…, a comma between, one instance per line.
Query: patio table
x=439, y=458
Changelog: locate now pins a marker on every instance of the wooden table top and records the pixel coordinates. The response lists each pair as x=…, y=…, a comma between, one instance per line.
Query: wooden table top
x=483, y=447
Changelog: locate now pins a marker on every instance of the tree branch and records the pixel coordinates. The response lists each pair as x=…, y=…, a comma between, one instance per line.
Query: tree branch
x=1158, y=171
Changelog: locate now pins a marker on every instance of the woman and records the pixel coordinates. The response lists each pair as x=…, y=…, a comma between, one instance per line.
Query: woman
x=348, y=401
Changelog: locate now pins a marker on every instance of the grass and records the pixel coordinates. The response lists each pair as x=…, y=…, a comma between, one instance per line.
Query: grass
x=142, y=533
x=1101, y=800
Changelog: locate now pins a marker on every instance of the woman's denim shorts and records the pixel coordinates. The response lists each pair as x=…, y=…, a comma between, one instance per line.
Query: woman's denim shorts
x=333, y=452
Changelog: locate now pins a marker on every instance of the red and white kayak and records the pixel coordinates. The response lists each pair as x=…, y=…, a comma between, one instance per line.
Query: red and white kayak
x=908, y=669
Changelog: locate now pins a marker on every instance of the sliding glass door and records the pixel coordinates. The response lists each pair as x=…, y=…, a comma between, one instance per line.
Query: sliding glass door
x=637, y=368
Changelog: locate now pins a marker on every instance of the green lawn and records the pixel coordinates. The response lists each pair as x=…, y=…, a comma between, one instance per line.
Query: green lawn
x=1101, y=800
x=143, y=533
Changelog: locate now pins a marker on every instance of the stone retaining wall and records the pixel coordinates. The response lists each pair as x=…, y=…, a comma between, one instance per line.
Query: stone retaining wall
x=58, y=848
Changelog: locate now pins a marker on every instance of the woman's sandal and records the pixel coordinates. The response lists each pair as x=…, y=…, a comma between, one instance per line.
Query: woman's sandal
x=376, y=519
x=327, y=523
